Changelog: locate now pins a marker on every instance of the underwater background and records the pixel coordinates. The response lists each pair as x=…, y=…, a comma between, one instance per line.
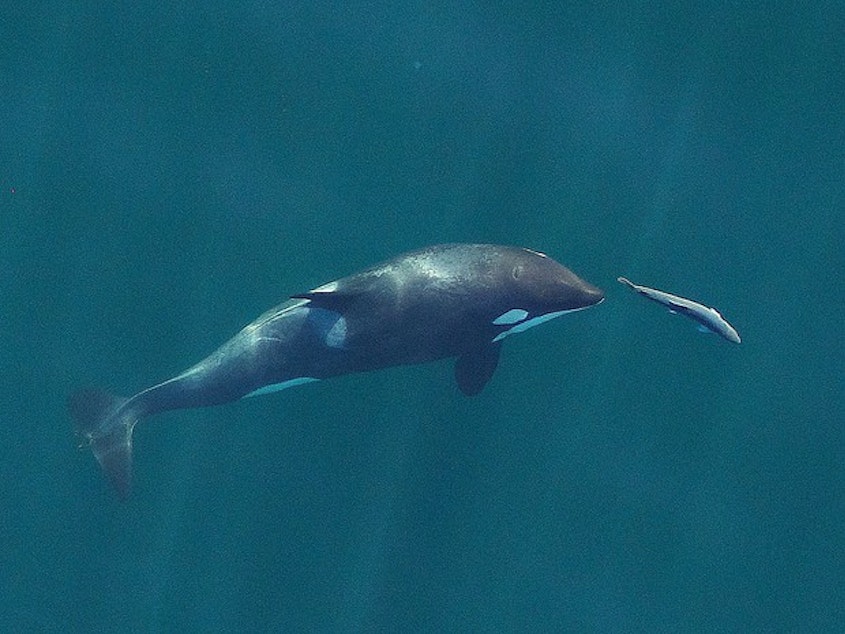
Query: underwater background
x=169, y=171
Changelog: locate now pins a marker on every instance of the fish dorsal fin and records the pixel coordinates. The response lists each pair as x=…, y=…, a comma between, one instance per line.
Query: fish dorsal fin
x=474, y=369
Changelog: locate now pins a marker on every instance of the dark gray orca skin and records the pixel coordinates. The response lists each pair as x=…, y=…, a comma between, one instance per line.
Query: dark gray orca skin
x=451, y=300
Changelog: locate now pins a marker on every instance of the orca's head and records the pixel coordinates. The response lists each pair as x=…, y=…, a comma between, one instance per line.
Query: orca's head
x=539, y=289
x=546, y=285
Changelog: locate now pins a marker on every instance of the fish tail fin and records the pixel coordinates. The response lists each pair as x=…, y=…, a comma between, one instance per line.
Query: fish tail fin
x=105, y=425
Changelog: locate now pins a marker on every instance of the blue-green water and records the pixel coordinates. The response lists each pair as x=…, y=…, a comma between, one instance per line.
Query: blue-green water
x=168, y=173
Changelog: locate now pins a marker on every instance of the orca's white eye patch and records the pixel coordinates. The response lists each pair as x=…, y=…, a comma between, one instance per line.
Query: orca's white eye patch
x=512, y=316
x=522, y=326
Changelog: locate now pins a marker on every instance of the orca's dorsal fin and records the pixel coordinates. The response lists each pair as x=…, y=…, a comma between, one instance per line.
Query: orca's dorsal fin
x=329, y=300
x=474, y=369
x=342, y=294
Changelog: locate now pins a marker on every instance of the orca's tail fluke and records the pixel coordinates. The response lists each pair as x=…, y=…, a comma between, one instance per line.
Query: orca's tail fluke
x=105, y=424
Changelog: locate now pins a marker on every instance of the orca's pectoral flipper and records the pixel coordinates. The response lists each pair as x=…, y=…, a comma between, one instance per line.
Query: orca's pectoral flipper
x=106, y=426
x=475, y=368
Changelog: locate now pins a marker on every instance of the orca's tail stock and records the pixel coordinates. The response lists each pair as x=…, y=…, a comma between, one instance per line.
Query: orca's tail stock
x=104, y=423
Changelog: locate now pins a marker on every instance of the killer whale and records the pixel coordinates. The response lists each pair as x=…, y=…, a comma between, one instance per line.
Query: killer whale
x=450, y=300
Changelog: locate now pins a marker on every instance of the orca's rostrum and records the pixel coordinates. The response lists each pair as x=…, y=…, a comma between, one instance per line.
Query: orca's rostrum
x=452, y=300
